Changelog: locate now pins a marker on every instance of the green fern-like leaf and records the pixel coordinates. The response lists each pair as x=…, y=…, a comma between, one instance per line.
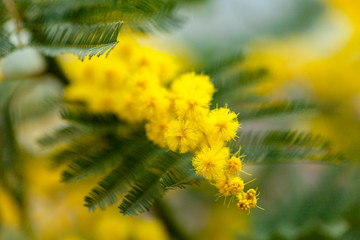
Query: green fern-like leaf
x=79, y=114
x=83, y=40
x=180, y=176
x=63, y=134
x=147, y=187
x=90, y=163
x=117, y=182
x=143, y=15
x=142, y=195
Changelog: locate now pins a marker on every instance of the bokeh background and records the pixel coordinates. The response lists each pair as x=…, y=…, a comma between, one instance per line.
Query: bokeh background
x=309, y=48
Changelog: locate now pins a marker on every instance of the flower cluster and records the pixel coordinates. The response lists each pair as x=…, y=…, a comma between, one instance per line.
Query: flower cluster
x=141, y=85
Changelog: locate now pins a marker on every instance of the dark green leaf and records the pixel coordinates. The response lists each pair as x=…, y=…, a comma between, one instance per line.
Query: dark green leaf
x=79, y=114
x=62, y=134
x=117, y=182
x=147, y=187
x=180, y=176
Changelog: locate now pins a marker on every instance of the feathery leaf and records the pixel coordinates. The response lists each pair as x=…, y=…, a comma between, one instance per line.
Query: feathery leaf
x=62, y=134
x=180, y=176
x=81, y=115
x=116, y=183
x=147, y=187
x=142, y=195
x=83, y=40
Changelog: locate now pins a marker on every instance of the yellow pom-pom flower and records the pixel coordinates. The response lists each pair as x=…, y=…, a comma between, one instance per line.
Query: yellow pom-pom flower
x=236, y=185
x=101, y=102
x=128, y=108
x=251, y=197
x=182, y=136
x=143, y=81
x=222, y=124
x=198, y=83
x=243, y=205
x=191, y=106
x=210, y=162
x=155, y=130
x=233, y=165
x=247, y=200
x=154, y=103
x=222, y=185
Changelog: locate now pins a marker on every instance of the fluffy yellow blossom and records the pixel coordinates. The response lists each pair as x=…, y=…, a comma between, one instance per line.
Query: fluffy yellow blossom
x=243, y=205
x=104, y=101
x=126, y=49
x=210, y=162
x=251, y=193
x=181, y=135
x=198, y=83
x=167, y=67
x=233, y=165
x=247, y=200
x=143, y=81
x=222, y=185
x=111, y=78
x=155, y=130
x=154, y=103
x=191, y=106
x=129, y=109
x=221, y=124
x=144, y=59
x=80, y=92
x=236, y=185
x=251, y=197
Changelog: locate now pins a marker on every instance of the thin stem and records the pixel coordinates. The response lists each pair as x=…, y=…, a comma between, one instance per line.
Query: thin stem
x=164, y=213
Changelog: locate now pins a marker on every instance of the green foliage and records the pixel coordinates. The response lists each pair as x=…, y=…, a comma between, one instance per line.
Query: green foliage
x=79, y=114
x=82, y=40
x=180, y=177
x=63, y=134
x=85, y=28
x=147, y=187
